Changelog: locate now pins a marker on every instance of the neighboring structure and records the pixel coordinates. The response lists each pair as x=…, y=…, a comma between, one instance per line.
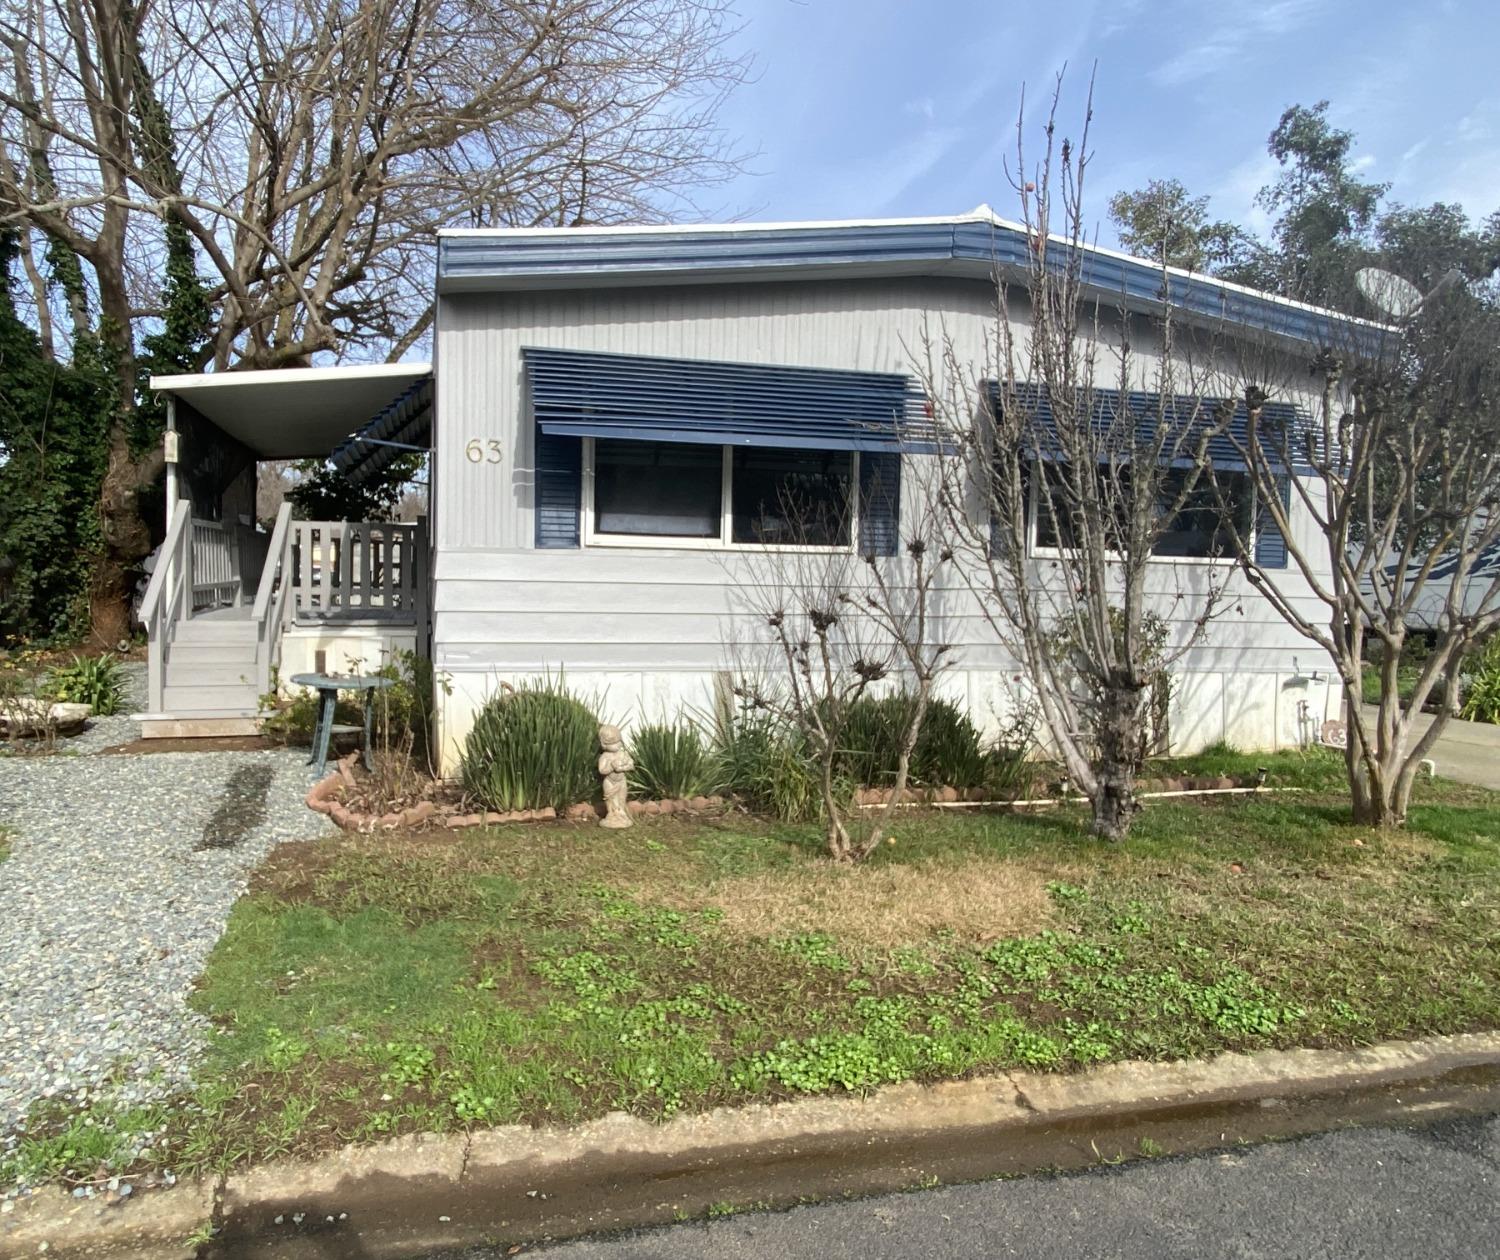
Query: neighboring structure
x=1432, y=603
x=615, y=412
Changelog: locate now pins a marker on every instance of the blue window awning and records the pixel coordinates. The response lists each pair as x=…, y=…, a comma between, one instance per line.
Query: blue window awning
x=577, y=393
x=1136, y=415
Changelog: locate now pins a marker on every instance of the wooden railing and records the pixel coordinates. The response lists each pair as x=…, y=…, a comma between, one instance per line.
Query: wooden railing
x=216, y=566
x=269, y=610
x=356, y=569
x=168, y=598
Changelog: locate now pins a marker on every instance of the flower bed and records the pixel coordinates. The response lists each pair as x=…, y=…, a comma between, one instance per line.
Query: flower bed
x=327, y=797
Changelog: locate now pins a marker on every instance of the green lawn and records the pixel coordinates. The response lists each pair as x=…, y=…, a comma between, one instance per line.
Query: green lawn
x=1406, y=682
x=377, y=985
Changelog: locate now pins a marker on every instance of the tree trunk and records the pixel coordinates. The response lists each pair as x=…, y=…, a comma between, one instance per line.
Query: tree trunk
x=1121, y=744
x=125, y=535
x=840, y=848
x=1375, y=773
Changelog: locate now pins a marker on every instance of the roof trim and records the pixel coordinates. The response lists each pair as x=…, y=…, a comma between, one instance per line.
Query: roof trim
x=973, y=244
x=192, y=382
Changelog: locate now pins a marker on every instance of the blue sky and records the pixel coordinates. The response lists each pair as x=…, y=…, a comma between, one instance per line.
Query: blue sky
x=889, y=107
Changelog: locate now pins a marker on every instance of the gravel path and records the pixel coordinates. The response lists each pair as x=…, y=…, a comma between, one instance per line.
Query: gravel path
x=121, y=876
x=98, y=733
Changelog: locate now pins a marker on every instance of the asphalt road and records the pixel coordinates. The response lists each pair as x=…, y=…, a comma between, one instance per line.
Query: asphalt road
x=1432, y=1192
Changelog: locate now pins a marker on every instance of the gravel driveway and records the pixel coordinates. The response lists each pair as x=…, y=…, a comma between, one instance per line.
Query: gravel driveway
x=121, y=876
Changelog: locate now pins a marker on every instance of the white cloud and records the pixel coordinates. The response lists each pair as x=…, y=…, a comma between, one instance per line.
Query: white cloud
x=1414, y=152
x=1478, y=124
x=1474, y=183
x=1233, y=198
x=1225, y=43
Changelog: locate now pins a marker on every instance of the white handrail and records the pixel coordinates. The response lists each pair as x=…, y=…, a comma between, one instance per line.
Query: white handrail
x=270, y=596
x=158, y=583
x=173, y=574
x=274, y=552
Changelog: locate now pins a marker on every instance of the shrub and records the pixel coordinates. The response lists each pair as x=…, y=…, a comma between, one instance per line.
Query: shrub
x=96, y=681
x=949, y=750
x=765, y=765
x=532, y=747
x=872, y=738
x=1482, y=685
x=405, y=710
x=672, y=762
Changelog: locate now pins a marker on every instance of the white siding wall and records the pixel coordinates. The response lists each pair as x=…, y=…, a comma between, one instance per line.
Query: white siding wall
x=346, y=649
x=650, y=628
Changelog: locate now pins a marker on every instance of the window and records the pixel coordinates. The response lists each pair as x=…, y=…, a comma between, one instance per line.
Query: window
x=690, y=495
x=657, y=489
x=1199, y=530
x=790, y=498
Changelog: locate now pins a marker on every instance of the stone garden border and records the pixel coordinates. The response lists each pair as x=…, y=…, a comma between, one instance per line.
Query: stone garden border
x=323, y=798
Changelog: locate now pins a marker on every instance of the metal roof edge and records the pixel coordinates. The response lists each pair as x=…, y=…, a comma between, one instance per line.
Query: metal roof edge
x=278, y=376
x=538, y=260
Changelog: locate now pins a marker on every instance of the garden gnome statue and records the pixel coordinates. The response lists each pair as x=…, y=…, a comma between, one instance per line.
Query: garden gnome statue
x=614, y=765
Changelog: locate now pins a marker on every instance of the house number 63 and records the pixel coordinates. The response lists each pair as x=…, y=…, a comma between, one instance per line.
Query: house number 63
x=478, y=451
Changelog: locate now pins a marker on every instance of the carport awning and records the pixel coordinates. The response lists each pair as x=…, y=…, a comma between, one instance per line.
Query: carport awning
x=295, y=413
x=402, y=428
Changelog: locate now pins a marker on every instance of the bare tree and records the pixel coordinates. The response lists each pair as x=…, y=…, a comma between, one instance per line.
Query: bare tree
x=1051, y=454
x=838, y=627
x=305, y=152
x=1398, y=471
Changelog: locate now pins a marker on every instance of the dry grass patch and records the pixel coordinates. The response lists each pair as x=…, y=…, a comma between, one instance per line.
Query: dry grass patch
x=885, y=906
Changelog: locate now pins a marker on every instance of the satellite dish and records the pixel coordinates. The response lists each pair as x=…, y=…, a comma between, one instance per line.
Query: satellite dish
x=1386, y=290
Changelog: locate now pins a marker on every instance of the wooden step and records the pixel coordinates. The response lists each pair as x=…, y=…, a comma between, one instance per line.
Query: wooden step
x=226, y=698
x=240, y=673
x=215, y=655
x=214, y=630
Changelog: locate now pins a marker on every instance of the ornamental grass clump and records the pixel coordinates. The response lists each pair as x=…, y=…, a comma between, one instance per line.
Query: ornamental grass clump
x=672, y=762
x=949, y=752
x=97, y=681
x=766, y=766
x=1482, y=693
x=532, y=747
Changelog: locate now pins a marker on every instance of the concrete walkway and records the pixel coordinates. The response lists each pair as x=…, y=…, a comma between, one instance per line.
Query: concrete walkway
x=1466, y=751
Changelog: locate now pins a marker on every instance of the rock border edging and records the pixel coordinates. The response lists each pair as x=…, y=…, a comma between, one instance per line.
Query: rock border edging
x=323, y=799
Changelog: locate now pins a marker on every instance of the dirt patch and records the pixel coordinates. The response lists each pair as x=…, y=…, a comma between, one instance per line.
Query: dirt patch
x=887, y=906
x=291, y=872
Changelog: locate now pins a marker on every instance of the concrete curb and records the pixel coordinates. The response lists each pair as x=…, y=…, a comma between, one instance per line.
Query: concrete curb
x=365, y=1189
